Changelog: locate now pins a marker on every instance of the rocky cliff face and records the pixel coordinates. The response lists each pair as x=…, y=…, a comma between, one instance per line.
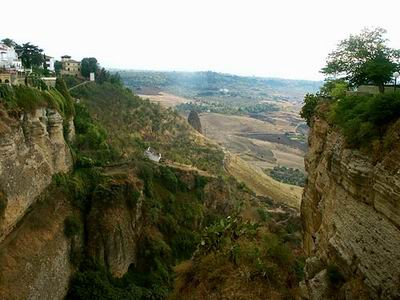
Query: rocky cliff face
x=115, y=225
x=35, y=257
x=351, y=219
x=32, y=150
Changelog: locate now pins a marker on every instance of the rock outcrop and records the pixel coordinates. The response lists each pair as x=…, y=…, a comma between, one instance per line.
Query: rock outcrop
x=194, y=121
x=32, y=150
x=351, y=218
x=115, y=224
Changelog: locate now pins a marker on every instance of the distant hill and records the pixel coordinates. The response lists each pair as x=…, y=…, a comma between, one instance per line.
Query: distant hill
x=218, y=86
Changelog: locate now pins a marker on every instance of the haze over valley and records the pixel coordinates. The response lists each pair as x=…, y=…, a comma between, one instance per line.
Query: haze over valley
x=200, y=150
x=254, y=118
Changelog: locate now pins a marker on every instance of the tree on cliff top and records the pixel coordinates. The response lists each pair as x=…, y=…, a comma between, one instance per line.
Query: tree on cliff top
x=89, y=65
x=363, y=59
x=30, y=55
x=9, y=42
x=194, y=121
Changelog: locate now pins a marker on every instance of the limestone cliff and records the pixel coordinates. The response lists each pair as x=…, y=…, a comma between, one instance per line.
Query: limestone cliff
x=115, y=224
x=32, y=150
x=35, y=256
x=351, y=218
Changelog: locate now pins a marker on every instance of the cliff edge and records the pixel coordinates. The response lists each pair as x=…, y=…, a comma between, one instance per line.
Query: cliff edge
x=32, y=150
x=351, y=218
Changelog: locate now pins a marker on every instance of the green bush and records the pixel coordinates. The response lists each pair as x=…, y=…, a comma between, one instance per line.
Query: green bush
x=72, y=226
x=288, y=175
x=170, y=180
x=335, y=277
x=308, y=109
x=29, y=98
x=93, y=281
x=91, y=138
x=365, y=118
x=147, y=174
x=263, y=214
x=279, y=252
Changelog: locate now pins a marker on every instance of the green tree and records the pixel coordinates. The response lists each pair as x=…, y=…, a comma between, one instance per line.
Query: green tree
x=30, y=55
x=363, y=59
x=89, y=65
x=335, y=88
x=57, y=66
x=8, y=42
x=310, y=103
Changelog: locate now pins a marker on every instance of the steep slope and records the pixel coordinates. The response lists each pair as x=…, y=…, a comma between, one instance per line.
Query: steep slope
x=35, y=126
x=351, y=217
x=262, y=184
x=32, y=148
x=106, y=222
x=35, y=257
x=135, y=124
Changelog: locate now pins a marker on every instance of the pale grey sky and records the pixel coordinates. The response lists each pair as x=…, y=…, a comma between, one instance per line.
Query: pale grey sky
x=280, y=38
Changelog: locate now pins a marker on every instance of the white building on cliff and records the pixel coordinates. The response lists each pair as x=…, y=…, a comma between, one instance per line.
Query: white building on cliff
x=9, y=58
x=152, y=155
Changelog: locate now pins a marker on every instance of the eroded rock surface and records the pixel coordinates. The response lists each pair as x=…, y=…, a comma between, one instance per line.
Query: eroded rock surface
x=32, y=150
x=35, y=257
x=351, y=217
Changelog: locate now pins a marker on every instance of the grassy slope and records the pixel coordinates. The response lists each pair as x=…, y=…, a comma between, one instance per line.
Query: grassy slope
x=134, y=124
x=262, y=184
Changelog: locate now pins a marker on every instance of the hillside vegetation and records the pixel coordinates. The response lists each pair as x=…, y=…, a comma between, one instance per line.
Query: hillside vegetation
x=180, y=214
x=364, y=118
x=134, y=124
x=159, y=215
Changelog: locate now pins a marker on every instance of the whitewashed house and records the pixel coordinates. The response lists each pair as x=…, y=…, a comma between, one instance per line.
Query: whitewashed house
x=49, y=61
x=9, y=58
x=152, y=155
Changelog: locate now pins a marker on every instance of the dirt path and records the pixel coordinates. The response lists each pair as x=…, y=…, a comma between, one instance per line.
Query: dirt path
x=124, y=167
x=78, y=85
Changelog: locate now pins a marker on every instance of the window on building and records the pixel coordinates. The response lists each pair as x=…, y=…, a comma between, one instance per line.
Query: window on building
x=6, y=81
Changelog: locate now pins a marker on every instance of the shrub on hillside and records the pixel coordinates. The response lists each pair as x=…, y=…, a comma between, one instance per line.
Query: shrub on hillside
x=365, y=118
x=335, y=277
x=308, y=109
x=288, y=175
x=72, y=226
x=169, y=177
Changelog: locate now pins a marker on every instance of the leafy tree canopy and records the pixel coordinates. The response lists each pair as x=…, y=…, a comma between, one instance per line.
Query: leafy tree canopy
x=57, y=66
x=30, y=55
x=334, y=88
x=89, y=65
x=8, y=42
x=363, y=59
x=310, y=103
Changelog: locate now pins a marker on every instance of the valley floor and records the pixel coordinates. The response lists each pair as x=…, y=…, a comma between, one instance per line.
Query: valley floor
x=254, y=145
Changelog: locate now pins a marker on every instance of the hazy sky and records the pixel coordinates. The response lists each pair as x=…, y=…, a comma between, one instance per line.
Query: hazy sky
x=278, y=38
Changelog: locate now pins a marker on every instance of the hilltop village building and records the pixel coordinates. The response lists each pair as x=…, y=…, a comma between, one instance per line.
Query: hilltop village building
x=70, y=66
x=10, y=65
x=9, y=59
x=49, y=62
